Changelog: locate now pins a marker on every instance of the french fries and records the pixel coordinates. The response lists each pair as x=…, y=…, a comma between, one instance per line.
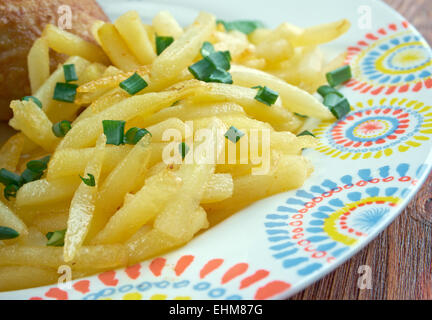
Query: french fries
x=42, y=191
x=38, y=64
x=116, y=48
x=135, y=35
x=124, y=203
x=294, y=99
x=164, y=24
x=119, y=183
x=11, y=151
x=34, y=123
x=72, y=45
x=83, y=204
x=181, y=53
x=11, y=220
x=72, y=162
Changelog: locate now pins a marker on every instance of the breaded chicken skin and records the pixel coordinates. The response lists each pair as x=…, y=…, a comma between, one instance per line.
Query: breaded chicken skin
x=22, y=22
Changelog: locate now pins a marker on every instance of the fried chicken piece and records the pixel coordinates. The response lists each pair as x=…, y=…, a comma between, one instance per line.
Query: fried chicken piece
x=21, y=23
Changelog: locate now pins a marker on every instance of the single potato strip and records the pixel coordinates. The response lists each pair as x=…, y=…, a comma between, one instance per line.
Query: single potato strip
x=87, y=258
x=72, y=162
x=83, y=204
x=44, y=191
x=34, y=123
x=11, y=151
x=11, y=220
x=38, y=62
x=294, y=99
x=72, y=45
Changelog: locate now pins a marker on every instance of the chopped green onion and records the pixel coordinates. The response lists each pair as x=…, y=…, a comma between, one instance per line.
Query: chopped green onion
x=162, y=43
x=134, y=135
x=133, y=84
x=220, y=60
x=56, y=238
x=202, y=69
x=183, y=149
x=306, y=133
x=325, y=90
x=332, y=99
x=34, y=99
x=10, y=191
x=341, y=109
x=267, y=96
x=257, y=87
x=70, y=73
x=114, y=131
x=7, y=177
x=244, y=26
x=65, y=92
x=300, y=115
x=220, y=76
x=90, y=181
x=213, y=67
x=207, y=49
x=339, y=76
x=38, y=165
x=233, y=134
x=29, y=175
x=60, y=129
x=175, y=103
x=8, y=233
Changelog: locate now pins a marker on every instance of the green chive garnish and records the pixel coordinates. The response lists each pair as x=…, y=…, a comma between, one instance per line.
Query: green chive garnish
x=339, y=76
x=90, y=181
x=162, y=43
x=341, y=109
x=7, y=177
x=207, y=49
x=220, y=76
x=114, y=131
x=60, y=129
x=213, y=67
x=233, y=134
x=183, y=149
x=306, y=133
x=267, y=96
x=220, y=60
x=245, y=26
x=8, y=233
x=29, y=176
x=38, y=165
x=134, y=135
x=35, y=170
x=56, y=238
x=300, y=115
x=65, y=92
x=10, y=191
x=34, y=99
x=70, y=73
x=202, y=70
x=133, y=84
x=325, y=90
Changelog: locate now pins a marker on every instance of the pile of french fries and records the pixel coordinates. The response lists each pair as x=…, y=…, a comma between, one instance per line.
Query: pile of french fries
x=141, y=207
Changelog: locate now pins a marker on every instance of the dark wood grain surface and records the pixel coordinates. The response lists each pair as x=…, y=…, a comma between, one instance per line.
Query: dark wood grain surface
x=400, y=258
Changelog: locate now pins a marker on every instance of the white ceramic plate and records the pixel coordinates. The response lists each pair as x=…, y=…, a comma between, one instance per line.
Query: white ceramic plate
x=367, y=168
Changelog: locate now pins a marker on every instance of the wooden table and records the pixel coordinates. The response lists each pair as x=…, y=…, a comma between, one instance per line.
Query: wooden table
x=401, y=257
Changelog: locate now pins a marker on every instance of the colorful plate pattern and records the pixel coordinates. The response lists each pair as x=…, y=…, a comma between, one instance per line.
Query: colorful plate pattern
x=368, y=166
